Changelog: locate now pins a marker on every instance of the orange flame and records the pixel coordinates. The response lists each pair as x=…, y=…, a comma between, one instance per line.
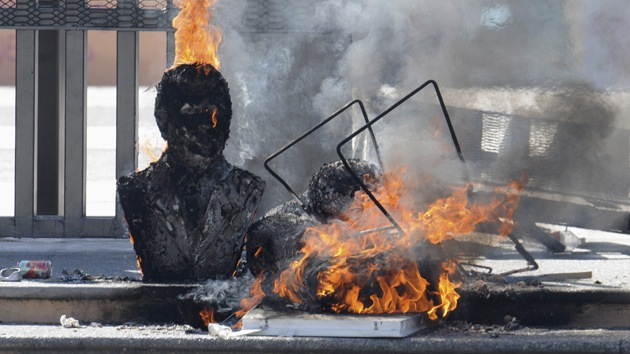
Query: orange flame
x=257, y=294
x=513, y=195
x=138, y=259
x=447, y=293
x=207, y=315
x=214, y=117
x=371, y=272
x=196, y=40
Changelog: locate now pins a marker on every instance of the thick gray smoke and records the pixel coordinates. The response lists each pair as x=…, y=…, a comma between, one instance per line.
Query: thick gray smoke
x=528, y=83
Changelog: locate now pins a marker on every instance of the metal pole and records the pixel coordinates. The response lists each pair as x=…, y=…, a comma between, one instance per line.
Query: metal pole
x=75, y=132
x=126, y=105
x=49, y=122
x=25, y=130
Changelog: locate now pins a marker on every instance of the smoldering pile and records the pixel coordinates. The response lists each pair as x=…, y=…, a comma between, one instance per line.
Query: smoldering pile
x=222, y=296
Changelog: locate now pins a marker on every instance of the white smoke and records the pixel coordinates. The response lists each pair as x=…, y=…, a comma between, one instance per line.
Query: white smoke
x=290, y=64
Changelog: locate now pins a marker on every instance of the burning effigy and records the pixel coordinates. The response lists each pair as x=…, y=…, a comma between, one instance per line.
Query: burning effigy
x=352, y=261
x=190, y=215
x=187, y=212
x=356, y=264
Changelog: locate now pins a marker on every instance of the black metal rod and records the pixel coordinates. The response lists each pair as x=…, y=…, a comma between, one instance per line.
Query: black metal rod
x=309, y=132
x=531, y=262
x=369, y=124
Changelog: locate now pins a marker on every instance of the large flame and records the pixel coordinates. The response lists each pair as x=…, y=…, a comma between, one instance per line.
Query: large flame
x=196, y=39
x=373, y=272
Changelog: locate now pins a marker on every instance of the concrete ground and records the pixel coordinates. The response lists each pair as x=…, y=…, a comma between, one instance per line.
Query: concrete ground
x=605, y=254
x=173, y=338
x=110, y=257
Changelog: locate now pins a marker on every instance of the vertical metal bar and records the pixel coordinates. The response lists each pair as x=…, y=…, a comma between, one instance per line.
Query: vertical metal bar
x=126, y=105
x=25, y=130
x=170, y=48
x=344, y=160
x=309, y=132
x=49, y=114
x=172, y=11
x=75, y=132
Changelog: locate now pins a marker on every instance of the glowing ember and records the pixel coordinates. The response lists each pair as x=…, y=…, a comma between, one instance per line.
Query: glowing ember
x=196, y=40
x=373, y=272
x=207, y=315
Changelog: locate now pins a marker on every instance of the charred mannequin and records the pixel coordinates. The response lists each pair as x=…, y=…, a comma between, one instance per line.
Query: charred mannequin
x=274, y=240
x=188, y=211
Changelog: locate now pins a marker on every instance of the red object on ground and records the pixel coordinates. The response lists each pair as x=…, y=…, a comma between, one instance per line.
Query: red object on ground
x=35, y=269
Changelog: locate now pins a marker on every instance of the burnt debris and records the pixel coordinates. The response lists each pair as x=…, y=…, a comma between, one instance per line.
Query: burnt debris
x=274, y=240
x=188, y=212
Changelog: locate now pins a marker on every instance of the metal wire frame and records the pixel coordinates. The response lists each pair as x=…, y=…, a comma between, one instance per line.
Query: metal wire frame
x=531, y=262
x=311, y=131
x=368, y=126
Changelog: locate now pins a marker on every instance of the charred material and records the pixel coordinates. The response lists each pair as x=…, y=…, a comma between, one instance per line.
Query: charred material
x=188, y=212
x=274, y=240
x=331, y=190
x=221, y=297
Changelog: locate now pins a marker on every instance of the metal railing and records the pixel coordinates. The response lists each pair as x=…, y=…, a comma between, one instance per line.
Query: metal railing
x=51, y=87
x=51, y=119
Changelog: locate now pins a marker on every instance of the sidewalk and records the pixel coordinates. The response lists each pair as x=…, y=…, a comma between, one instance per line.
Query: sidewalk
x=108, y=257
x=605, y=254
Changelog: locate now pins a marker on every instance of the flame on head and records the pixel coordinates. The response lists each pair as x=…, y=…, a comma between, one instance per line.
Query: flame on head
x=373, y=272
x=196, y=39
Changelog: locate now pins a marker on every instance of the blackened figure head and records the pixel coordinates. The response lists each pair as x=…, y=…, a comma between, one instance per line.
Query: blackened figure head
x=188, y=97
x=331, y=190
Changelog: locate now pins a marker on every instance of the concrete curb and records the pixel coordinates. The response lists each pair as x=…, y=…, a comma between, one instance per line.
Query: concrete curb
x=35, y=302
x=110, y=339
x=133, y=301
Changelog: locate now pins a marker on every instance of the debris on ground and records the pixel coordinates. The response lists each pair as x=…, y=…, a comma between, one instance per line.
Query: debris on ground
x=79, y=275
x=69, y=322
x=75, y=276
x=217, y=330
x=511, y=323
x=35, y=269
x=10, y=274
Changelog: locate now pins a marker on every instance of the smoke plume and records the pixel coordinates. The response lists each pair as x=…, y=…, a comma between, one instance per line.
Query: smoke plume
x=529, y=78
